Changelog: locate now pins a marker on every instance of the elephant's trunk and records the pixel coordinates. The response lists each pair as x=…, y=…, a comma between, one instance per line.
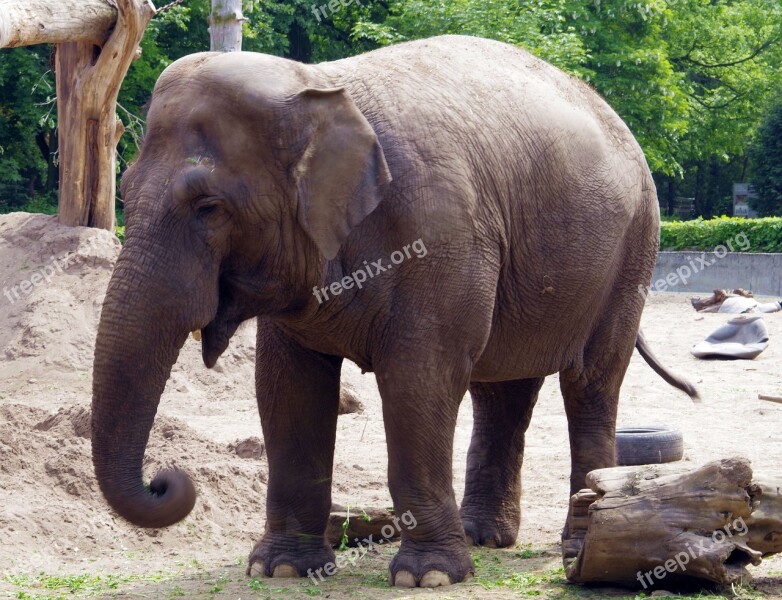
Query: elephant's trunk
x=138, y=342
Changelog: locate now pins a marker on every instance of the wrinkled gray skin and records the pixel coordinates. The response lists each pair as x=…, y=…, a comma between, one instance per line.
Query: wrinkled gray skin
x=261, y=178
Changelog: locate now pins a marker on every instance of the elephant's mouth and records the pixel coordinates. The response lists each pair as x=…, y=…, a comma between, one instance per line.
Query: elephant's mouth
x=215, y=338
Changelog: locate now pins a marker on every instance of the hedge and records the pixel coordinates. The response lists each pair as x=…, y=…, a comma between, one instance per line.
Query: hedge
x=737, y=234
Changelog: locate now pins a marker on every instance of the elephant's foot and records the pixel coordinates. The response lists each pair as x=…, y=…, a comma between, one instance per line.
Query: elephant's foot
x=429, y=565
x=487, y=526
x=288, y=556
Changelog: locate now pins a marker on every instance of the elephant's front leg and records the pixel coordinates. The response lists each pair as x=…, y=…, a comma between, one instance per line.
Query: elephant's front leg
x=298, y=398
x=420, y=406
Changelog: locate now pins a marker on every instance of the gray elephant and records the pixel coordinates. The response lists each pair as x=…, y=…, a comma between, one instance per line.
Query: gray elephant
x=450, y=214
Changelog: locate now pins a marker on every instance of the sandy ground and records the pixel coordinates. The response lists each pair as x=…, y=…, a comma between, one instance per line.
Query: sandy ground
x=54, y=521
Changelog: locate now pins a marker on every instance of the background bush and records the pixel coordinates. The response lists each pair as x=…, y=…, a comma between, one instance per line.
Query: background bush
x=764, y=235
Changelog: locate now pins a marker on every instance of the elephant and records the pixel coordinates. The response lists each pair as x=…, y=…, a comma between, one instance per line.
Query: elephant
x=451, y=214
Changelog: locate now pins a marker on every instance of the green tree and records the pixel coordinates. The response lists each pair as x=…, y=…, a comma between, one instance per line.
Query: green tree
x=767, y=156
x=27, y=125
x=729, y=53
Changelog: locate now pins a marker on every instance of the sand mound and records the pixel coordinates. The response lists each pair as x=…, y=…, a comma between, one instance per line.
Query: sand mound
x=61, y=516
x=53, y=282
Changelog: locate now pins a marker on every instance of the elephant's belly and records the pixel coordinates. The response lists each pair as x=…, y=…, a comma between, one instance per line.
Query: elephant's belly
x=525, y=352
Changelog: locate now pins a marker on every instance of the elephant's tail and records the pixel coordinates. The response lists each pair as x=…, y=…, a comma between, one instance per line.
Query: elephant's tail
x=676, y=381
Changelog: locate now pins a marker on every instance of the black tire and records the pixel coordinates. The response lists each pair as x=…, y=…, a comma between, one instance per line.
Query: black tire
x=648, y=445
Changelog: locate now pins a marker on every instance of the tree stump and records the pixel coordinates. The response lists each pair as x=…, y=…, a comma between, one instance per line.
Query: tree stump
x=765, y=524
x=88, y=82
x=664, y=525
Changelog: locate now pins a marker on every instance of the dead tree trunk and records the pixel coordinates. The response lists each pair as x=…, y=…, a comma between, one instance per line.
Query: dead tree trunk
x=88, y=82
x=225, y=26
x=663, y=525
x=96, y=42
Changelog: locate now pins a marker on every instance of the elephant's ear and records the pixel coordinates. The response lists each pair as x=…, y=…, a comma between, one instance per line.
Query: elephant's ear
x=340, y=170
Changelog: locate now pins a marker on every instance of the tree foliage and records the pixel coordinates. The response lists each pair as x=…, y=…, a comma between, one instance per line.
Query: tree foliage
x=690, y=77
x=767, y=154
x=27, y=123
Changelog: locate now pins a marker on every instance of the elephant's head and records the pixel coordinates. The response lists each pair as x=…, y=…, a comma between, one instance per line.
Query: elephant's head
x=251, y=176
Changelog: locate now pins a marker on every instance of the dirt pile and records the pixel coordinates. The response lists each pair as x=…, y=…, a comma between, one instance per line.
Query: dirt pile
x=52, y=283
x=53, y=280
x=53, y=510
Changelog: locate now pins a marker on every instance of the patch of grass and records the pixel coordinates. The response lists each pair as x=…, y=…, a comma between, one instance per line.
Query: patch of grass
x=85, y=583
x=527, y=553
x=376, y=580
x=259, y=585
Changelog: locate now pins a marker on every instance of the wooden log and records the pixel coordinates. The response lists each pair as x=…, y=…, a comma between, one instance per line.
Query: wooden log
x=88, y=82
x=765, y=523
x=30, y=22
x=380, y=523
x=776, y=399
x=663, y=525
x=577, y=524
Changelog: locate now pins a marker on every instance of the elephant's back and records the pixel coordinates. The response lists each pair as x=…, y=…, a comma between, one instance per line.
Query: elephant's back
x=467, y=113
x=493, y=100
x=459, y=76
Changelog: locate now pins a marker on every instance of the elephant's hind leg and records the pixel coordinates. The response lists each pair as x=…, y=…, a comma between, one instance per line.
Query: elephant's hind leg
x=491, y=511
x=591, y=397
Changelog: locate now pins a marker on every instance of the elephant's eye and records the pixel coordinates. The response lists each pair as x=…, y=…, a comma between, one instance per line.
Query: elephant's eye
x=206, y=206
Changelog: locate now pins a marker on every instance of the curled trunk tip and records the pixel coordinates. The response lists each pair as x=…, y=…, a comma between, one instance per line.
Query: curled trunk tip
x=169, y=498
